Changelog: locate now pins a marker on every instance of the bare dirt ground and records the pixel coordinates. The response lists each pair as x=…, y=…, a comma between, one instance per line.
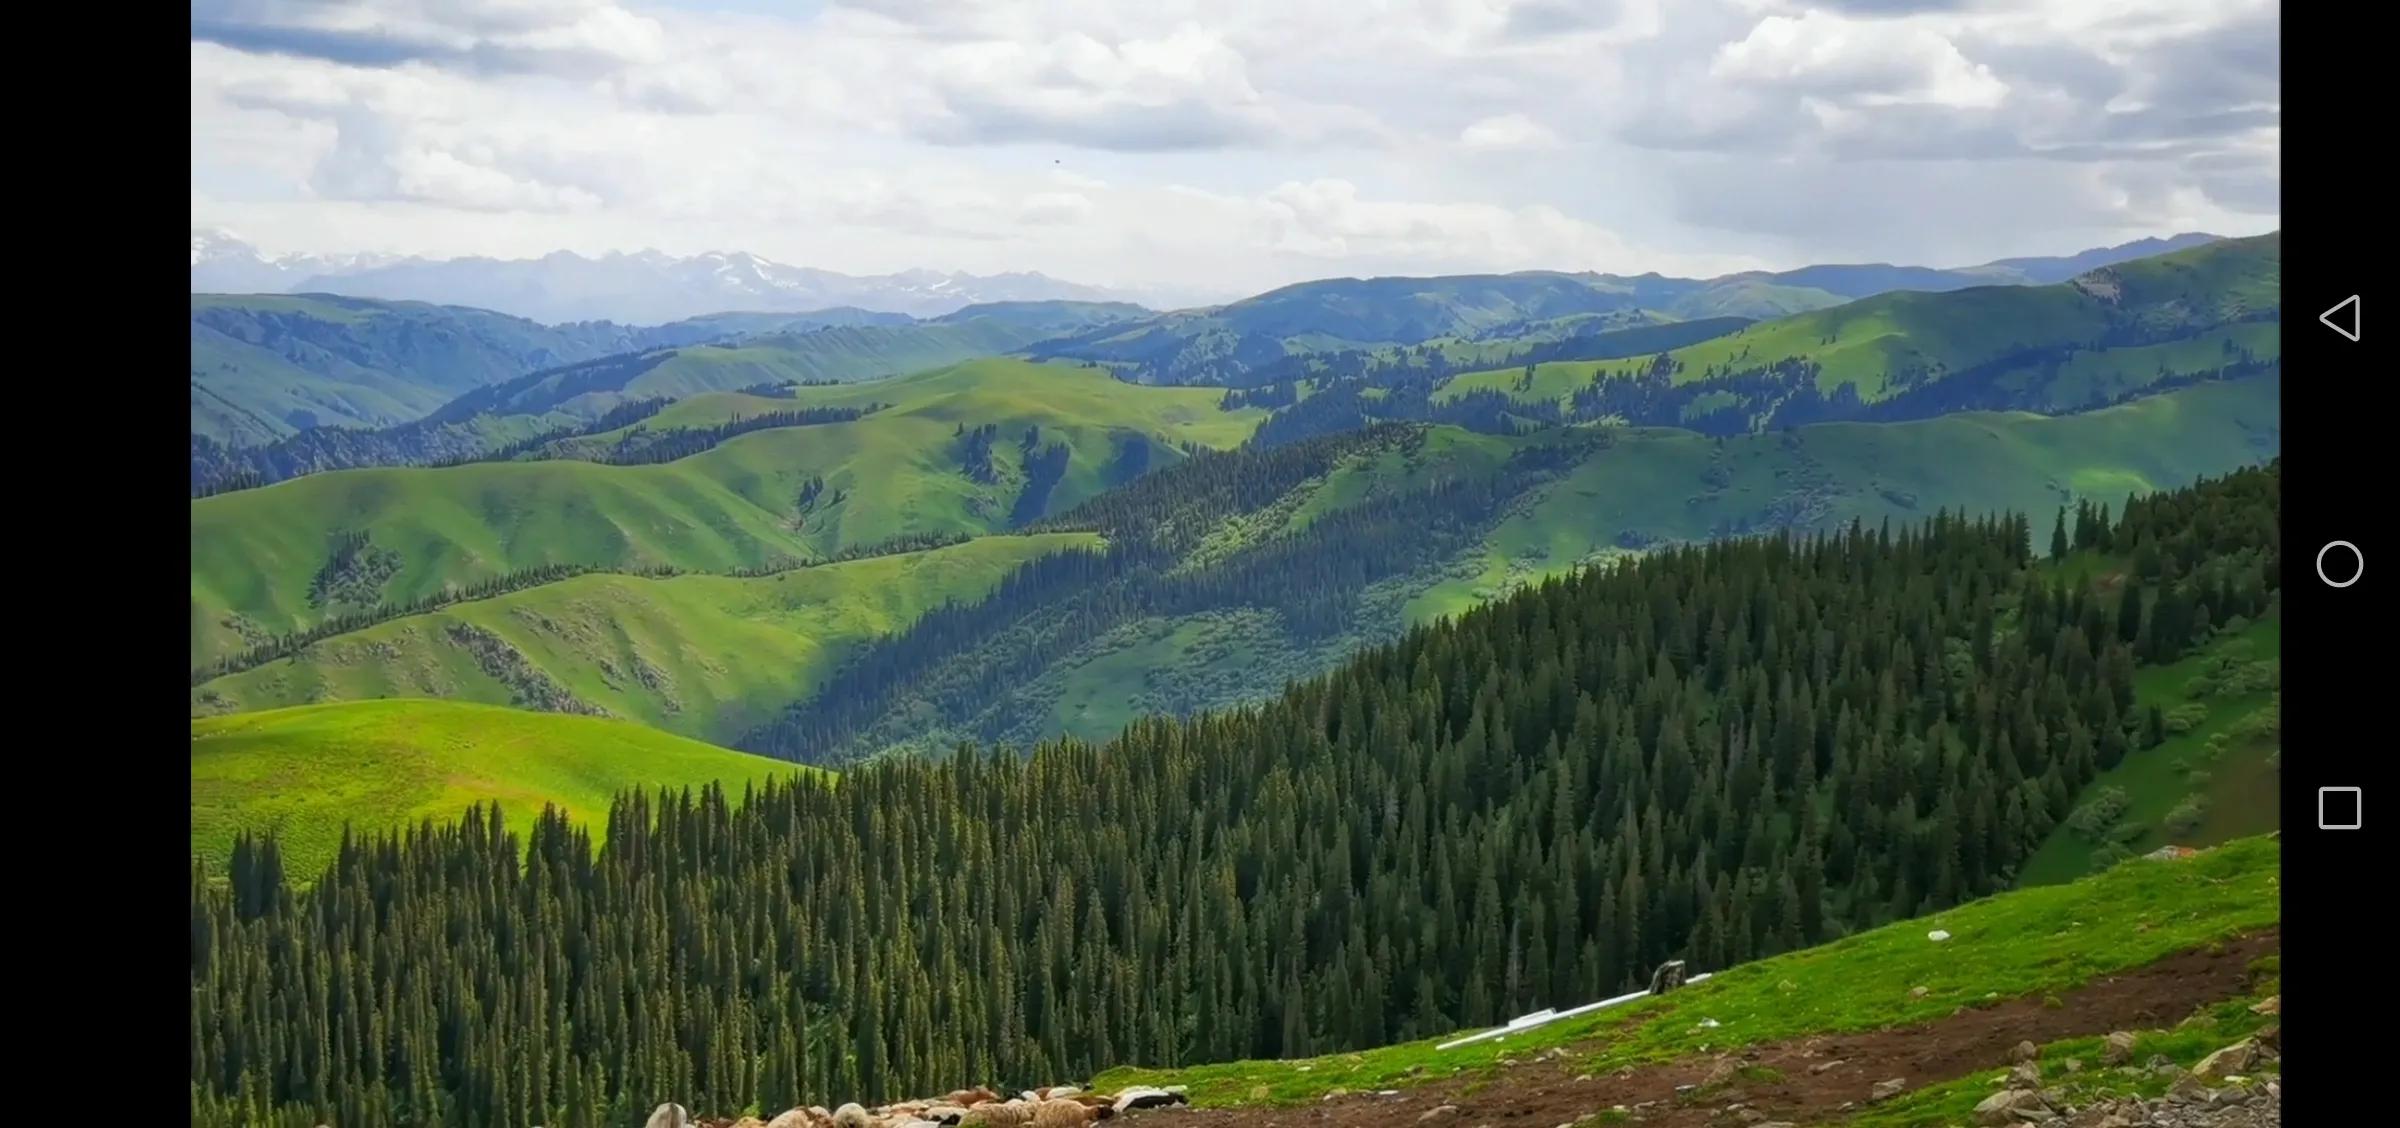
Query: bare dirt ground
x=1810, y=1089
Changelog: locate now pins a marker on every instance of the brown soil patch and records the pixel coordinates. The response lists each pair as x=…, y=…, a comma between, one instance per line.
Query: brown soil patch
x=1809, y=1091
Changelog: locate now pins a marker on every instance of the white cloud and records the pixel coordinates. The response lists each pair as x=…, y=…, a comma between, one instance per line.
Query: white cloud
x=1508, y=131
x=1874, y=62
x=1054, y=208
x=1236, y=143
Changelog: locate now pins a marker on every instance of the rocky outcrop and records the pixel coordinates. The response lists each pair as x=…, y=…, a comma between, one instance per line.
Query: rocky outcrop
x=2234, y=1106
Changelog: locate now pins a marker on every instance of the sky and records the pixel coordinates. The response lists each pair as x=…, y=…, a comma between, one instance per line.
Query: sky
x=1236, y=145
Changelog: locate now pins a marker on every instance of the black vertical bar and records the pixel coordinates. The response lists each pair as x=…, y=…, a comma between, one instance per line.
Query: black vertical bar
x=2338, y=458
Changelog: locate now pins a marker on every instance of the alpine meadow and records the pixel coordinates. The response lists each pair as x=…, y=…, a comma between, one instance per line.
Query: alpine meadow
x=1353, y=596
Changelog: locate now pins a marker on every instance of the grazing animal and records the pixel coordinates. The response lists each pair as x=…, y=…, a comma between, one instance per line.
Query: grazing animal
x=669, y=1115
x=1060, y=1112
x=997, y=1114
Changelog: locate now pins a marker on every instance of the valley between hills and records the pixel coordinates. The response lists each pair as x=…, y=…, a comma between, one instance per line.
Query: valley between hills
x=714, y=704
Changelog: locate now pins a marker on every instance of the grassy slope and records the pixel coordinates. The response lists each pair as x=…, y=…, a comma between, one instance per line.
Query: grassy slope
x=263, y=364
x=242, y=393
x=848, y=353
x=2022, y=944
x=1865, y=342
x=2238, y=787
x=2189, y=1041
x=705, y=656
x=1654, y=482
x=1657, y=483
x=305, y=772
x=254, y=552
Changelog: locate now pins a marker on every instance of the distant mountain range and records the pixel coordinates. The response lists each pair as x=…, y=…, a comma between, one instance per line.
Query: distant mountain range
x=650, y=288
x=643, y=288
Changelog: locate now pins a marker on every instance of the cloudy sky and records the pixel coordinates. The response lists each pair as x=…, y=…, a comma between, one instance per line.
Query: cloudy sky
x=1236, y=144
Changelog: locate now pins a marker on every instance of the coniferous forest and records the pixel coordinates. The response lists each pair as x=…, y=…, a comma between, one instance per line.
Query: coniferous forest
x=1710, y=753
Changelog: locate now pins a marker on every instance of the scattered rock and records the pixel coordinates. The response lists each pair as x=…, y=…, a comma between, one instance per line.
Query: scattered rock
x=2025, y=1074
x=2230, y=1060
x=1887, y=1089
x=1258, y=1092
x=2025, y=1051
x=852, y=1115
x=2010, y=1105
x=1822, y=1066
x=2074, y=1065
x=1437, y=1112
x=1719, y=1073
x=1937, y=935
x=2119, y=1049
x=1919, y=992
x=2272, y=1004
x=794, y=1118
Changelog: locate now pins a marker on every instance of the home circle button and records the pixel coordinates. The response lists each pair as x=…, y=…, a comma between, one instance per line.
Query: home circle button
x=2337, y=571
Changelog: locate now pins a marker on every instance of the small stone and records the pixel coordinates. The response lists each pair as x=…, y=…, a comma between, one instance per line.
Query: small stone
x=1748, y=1115
x=2119, y=1049
x=2232, y=1059
x=2025, y=1051
x=1335, y=1094
x=1580, y=1078
x=1919, y=992
x=1887, y=1089
x=1258, y=1092
x=1822, y=1066
x=2074, y=1065
x=2025, y=1074
x=2272, y=1004
x=1437, y=1112
x=2009, y=1105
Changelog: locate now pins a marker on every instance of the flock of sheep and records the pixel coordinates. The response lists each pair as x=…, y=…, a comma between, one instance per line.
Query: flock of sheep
x=1062, y=1106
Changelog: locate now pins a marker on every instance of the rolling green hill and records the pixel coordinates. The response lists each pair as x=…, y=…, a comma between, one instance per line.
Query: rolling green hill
x=268, y=365
x=2113, y=334
x=1254, y=340
x=272, y=560
x=1363, y=535
x=838, y=353
x=304, y=773
x=2055, y=347
x=705, y=656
